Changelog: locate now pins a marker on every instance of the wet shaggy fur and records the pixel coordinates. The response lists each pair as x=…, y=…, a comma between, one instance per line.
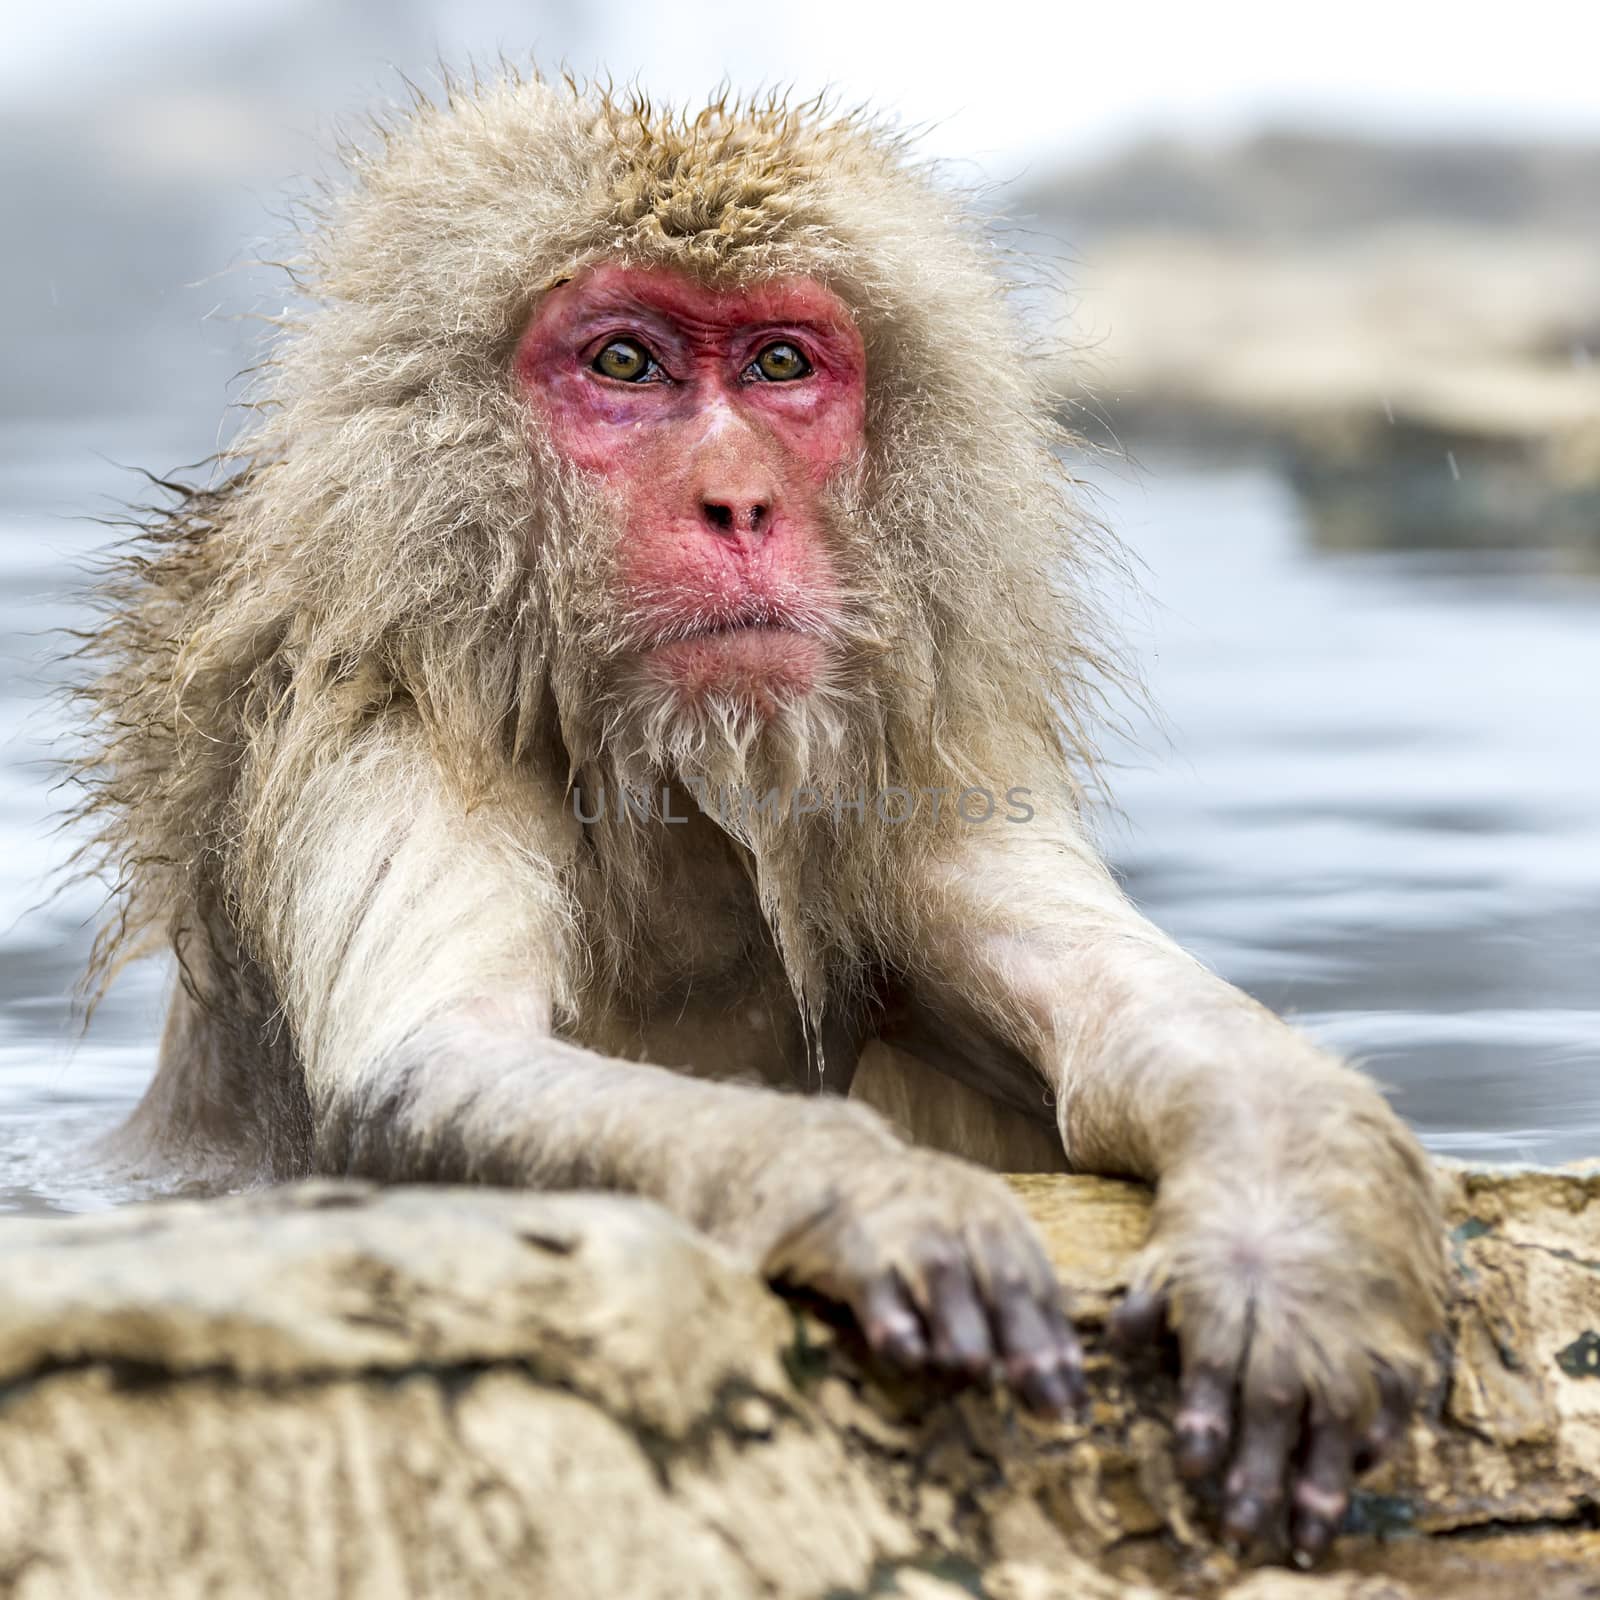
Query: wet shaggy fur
x=393, y=532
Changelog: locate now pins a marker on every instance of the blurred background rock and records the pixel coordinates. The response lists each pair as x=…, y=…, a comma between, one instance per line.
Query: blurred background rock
x=1325, y=292
x=1372, y=310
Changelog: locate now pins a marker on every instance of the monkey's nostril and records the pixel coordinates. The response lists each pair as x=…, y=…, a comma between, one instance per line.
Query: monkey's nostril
x=736, y=518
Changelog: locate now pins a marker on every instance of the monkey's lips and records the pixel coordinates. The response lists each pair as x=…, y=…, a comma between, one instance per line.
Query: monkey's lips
x=765, y=663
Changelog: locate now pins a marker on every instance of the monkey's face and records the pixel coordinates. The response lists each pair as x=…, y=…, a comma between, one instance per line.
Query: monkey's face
x=714, y=420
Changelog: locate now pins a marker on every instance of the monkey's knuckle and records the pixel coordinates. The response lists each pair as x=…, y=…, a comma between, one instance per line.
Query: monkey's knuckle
x=1005, y=1279
x=939, y=1251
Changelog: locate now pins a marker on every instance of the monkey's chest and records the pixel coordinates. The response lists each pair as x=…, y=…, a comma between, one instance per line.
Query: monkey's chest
x=693, y=979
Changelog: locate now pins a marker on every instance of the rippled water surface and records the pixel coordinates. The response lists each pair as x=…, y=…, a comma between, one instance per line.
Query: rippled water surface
x=1374, y=802
x=1378, y=808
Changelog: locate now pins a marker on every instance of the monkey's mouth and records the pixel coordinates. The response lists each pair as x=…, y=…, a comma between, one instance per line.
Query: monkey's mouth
x=734, y=630
x=764, y=657
x=750, y=619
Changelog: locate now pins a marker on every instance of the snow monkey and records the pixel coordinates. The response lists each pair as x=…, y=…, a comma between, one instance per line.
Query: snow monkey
x=636, y=673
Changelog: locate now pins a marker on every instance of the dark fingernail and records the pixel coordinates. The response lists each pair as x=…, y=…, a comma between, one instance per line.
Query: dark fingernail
x=1068, y=1393
x=1200, y=1449
x=903, y=1349
x=1377, y=1444
x=973, y=1356
x=1046, y=1393
x=1311, y=1537
x=963, y=1358
x=1077, y=1386
x=896, y=1339
x=1137, y=1321
x=1245, y=1516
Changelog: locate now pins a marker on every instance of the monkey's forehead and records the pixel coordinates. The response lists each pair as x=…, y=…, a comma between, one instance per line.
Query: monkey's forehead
x=528, y=181
x=687, y=300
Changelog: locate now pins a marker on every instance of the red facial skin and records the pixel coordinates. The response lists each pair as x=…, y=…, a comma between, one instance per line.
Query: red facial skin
x=717, y=474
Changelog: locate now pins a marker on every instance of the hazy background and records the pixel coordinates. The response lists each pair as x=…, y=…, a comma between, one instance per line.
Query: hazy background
x=1333, y=285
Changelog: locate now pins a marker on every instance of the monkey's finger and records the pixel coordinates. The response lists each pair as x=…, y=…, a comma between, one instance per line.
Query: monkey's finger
x=958, y=1328
x=1038, y=1366
x=1322, y=1490
x=1396, y=1397
x=1137, y=1323
x=1032, y=1333
x=1071, y=1355
x=1204, y=1425
x=1253, y=1494
x=890, y=1323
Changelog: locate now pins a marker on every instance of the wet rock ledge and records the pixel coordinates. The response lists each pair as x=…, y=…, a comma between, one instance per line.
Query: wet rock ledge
x=334, y=1390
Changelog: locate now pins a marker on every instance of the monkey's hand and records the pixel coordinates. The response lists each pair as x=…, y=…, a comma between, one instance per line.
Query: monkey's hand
x=942, y=1271
x=1300, y=1263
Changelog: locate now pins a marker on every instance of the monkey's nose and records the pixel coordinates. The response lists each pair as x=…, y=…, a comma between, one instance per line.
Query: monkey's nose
x=736, y=516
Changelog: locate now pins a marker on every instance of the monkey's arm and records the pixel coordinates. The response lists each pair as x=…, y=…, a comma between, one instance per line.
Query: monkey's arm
x=423, y=949
x=1297, y=1244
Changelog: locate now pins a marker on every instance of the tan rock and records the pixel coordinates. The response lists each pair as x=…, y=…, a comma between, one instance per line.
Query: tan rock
x=1366, y=340
x=332, y=1390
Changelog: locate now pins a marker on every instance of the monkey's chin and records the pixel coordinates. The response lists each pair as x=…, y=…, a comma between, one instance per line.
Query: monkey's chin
x=759, y=670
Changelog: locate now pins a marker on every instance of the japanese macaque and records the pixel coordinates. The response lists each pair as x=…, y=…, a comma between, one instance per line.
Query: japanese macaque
x=635, y=674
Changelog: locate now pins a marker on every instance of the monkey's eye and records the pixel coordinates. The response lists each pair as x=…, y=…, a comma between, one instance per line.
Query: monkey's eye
x=780, y=362
x=626, y=360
